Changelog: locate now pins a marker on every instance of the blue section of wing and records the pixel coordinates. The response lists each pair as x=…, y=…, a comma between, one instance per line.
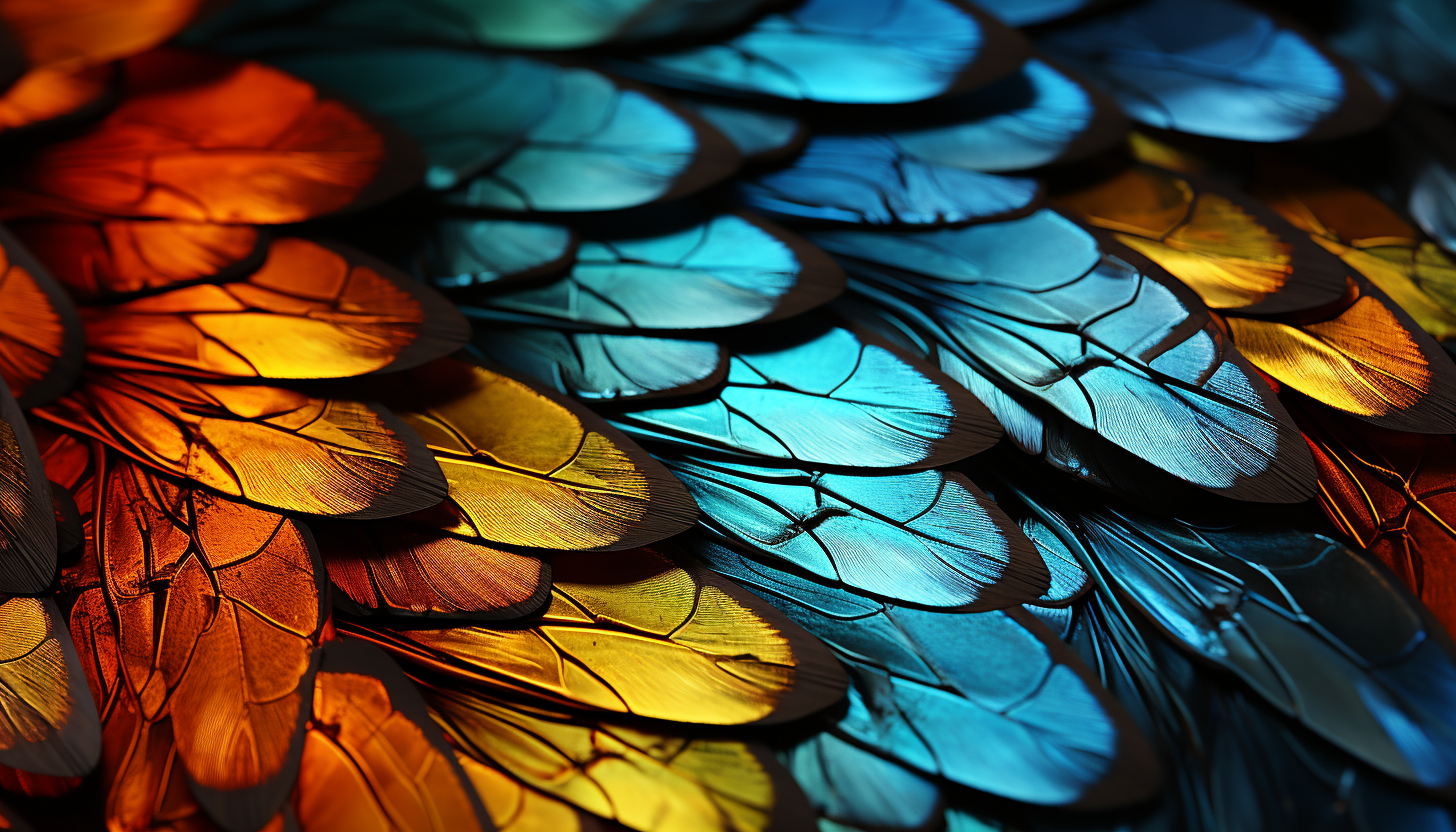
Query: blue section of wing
x=754, y=132
x=1272, y=607
x=872, y=179
x=989, y=700
x=725, y=271
x=852, y=786
x=463, y=253
x=826, y=398
x=1027, y=120
x=926, y=538
x=596, y=366
x=1210, y=67
x=842, y=51
x=1034, y=304
x=1028, y=12
x=513, y=133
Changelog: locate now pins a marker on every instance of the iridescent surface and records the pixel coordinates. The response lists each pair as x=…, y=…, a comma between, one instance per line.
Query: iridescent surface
x=860, y=789
x=273, y=446
x=516, y=807
x=541, y=24
x=1210, y=67
x=604, y=367
x=1035, y=117
x=645, y=781
x=842, y=51
x=71, y=34
x=758, y=135
x=521, y=134
x=633, y=633
x=1369, y=237
x=1391, y=493
x=1223, y=245
x=473, y=252
x=372, y=758
x=528, y=469
x=40, y=337
x=1115, y=349
x=397, y=569
x=727, y=270
x=989, y=700
x=926, y=538
x=106, y=260
x=226, y=644
x=1256, y=602
x=310, y=311
x=240, y=143
x=48, y=722
x=1367, y=358
x=1028, y=12
x=827, y=398
x=875, y=180
x=27, y=520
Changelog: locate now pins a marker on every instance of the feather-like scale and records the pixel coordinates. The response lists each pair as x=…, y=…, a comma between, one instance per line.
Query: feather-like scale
x=989, y=700
x=605, y=367
x=471, y=252
x=517, y=134
x=927, y=538
x=1258, y=603
x=850, y=52
x=646, y=781
x=1105, y=338
x=632, y=633
x=397, y=569
x=49, y=724
x=239, y=143
x=310, y=311
x=824, y=395
x=105, y=261
x=273, y=446
x=1219, y=68
x=529, y=468
x=28, y=531
x=41, y=343
x=373, y=758
x=219, y=609
x=725, y=270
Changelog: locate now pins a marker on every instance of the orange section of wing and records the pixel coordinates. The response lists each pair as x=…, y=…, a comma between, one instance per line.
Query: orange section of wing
x=104, y=260
x=205, y=139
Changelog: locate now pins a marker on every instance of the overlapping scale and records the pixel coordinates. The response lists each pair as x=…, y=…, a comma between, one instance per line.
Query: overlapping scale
x=50, y=99
x=989, y=700
x=238, y=143
x=49, y=724
x=309, y=311
x=1113, y=346
x=1387, y=491
x=397, y=569
x=274, y=446
x=470, y=252
x=526, y=468
x=1218, y=68
x=848, y=52
x=824, y=395
x=632, y=633
x=928, y=537
x=27, y=516
x=1235, y=252
x=1368, y=236
x=79, y=33
x=40, y=334
x=218, y=608
x=645, y=781
x=1365, y=356
x=760, y=135
x=519, y=134
x=372, y=757
x=516, y=807
x=605, y=367
x=724, y=270
x=1257, y=602
x=857, y=789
